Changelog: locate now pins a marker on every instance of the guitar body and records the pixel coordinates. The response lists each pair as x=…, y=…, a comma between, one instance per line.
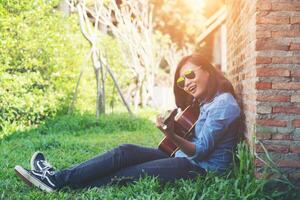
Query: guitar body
x=179, y=123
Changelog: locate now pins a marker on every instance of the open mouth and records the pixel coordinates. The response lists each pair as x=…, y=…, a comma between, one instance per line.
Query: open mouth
x=192, y=89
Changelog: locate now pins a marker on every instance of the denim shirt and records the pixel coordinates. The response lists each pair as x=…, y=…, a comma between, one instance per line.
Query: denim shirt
x=214, y=136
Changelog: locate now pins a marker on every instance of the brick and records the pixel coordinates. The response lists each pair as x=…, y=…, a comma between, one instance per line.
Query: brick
x=294, y=177
x=258, y=163
x=286, y=60
x=289, y=163
x=263, y=6
x=295, y=73
x=273, y=148
x=259, y=175
x=285, y=33
x=270, y=44
x=269, y=175
x=272, y=122
x=274, y=27
x=263, y=34
x=286, y=109
x=284, y=130
x=273, y=98
x=295, y=19
x=267, y=71
x=286, y=86
x=295, y=98
x=296, y=134
x=295, y=46
x=295, y=27
x=272, y=19
x=263, y=136
x=290, y=6
x=266, y=175
x=263, y=60
x=296, y=122
x=263, y=85
x=265, y=129
x=259, y=149
x=264, y=109
x=295, y=149
x=282, y=137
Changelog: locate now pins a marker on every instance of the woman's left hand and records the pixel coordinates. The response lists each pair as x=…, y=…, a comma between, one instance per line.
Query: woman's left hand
x=160, y=124
x=159, y=121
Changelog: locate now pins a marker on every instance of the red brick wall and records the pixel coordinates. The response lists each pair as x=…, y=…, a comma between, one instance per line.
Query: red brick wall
x=264, y=65
x=241, y=57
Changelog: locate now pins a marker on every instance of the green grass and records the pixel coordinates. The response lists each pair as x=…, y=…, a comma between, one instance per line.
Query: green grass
x=67, y=140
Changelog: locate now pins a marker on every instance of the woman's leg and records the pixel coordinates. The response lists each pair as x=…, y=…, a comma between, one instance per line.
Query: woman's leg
x=166, y=170
x=106, y=164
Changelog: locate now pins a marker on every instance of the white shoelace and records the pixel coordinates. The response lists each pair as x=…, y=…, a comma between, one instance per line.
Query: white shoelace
x=48, y=168
x=47, y=165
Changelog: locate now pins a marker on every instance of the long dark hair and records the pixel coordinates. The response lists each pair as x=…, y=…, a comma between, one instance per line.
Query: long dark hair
x=217, y=81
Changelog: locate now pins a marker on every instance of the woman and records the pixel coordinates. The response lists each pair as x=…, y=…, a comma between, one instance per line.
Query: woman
x=209, y=149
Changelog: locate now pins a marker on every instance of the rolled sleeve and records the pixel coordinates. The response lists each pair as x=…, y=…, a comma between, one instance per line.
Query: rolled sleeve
x=219, y=116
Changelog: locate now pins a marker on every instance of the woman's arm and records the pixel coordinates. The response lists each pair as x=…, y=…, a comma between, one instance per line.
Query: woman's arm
x=219, y=116
x=186, y=146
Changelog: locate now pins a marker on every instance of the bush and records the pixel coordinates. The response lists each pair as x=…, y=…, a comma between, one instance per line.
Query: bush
x=37, y=66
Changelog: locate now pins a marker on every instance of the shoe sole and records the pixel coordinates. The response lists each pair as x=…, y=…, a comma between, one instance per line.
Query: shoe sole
x=32, y=160
x=30, y=180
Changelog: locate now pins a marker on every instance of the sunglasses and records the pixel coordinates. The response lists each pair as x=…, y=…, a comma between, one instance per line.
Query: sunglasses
x=189, y=74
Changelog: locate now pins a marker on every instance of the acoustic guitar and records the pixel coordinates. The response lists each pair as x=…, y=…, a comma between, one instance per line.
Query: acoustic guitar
x=180, y=123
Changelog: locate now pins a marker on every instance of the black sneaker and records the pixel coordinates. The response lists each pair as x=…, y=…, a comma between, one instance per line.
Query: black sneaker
x=44, y=180
x=38, y=162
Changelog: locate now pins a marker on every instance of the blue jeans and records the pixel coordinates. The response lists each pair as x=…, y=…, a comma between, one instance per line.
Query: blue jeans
x=125, y=164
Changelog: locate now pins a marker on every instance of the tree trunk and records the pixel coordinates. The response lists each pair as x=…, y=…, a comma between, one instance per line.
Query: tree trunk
x=143, y=93
x=149, y=89
x=102, y=86
x=99, y=104
x=64, y=7
x=118, y=88
x=137, y=93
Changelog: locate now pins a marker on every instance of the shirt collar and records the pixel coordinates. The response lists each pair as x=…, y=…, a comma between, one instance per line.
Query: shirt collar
x=202, y=102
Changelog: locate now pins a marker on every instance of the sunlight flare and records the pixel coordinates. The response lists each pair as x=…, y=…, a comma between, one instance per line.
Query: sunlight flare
x=196, y=3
